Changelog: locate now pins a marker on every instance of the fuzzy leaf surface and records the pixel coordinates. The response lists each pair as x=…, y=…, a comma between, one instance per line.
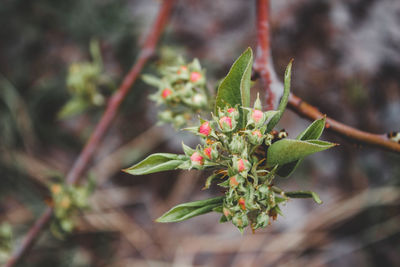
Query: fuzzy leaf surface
x=189, y=210
x=312, y=132
x=285, y=98
x=156, y=163
x=288, y=150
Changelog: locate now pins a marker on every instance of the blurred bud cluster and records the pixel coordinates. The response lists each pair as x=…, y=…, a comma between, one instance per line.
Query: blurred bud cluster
x=182, y=92
x=87, y=83
x=67, y=200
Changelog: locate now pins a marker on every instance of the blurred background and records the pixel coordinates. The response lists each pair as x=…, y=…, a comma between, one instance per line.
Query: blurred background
x=347, y=63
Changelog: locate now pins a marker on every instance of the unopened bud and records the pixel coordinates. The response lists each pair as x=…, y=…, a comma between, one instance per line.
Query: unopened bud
x=257, y=115
x=195, y=76
x=255, y=137
x=233, y=182
x=199, y=100
x=197, y=159
x=207, y=151
x=205, y=128
x=242, y=165
x=242, y=203
x=225, y=123
x=182, y=69
x=226, y=212
x=233, y=113
x=165, y=93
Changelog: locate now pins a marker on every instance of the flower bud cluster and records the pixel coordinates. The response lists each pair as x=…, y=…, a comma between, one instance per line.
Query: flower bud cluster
x=87, y=84
x=181, y=91
x=66, y=200
x=234, y=153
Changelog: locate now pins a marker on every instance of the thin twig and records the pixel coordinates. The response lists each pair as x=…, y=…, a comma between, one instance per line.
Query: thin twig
x=378, y=140
x=263, y=51
x=85, y=157
x=263, y=69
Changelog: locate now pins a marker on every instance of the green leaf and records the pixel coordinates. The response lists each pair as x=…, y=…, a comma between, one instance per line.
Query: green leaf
x=152, y=80
x=285, y=98
x=312, y=132
x=156, y=163
x=73, y=107
x=304, y=194
x=191, y=209
x=235, y=87
x=288, y=150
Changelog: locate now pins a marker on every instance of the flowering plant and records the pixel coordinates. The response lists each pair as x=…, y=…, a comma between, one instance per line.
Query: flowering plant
x=244, y=151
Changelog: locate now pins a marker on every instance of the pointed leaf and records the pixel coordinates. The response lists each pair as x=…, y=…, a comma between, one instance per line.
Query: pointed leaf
x=304, y=194
x=191, y=209
x=288, y=150
x=312, y=132
x=235, y=87
x=285, y=98
x=152, y=80
x=156, y=163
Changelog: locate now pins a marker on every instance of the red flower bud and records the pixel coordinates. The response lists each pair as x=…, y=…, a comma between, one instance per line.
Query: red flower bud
x=225, y=120
x=242, y=203
x=195, y=76
x=257, y=133
x=257, y=115
x=182, y=68
x=231, y=110
x=205, y=128
x=197, y=159
x=241, y=166
x=207, y=151
x=233, y=182
x=226, y=212
x=165, y=93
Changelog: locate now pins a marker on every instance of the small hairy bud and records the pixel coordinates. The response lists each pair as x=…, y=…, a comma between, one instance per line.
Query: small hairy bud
x=165, y=93
x=257, y=115
x=195, y=76
x=197, y=159
x=241, y=165
x=226, y=212
x=226, y=123
x=205, y=128
x=242, y=203
x=233, y=182
x=182, y=69
x=207, y=151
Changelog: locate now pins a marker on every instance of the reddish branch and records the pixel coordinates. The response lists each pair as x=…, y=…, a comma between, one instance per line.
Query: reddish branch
x=302, y=108
x=379, y=140
x=263, y=50
x=77, y=171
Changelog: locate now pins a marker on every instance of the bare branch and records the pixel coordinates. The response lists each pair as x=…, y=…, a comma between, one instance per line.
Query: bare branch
x=85, y=157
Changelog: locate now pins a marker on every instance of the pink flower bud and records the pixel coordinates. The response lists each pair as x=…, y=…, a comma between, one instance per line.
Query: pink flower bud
x=182, y=68
x=165, y=93
x=205, y=128
x=231, y=110
x=196, y=159
x=233, y=182
x=241, y=165
x=225, y=121
x=195, y=76
x=207, y=151
x=242, y=203
x=257, y=115
x=226, y=212
x=257, y=133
